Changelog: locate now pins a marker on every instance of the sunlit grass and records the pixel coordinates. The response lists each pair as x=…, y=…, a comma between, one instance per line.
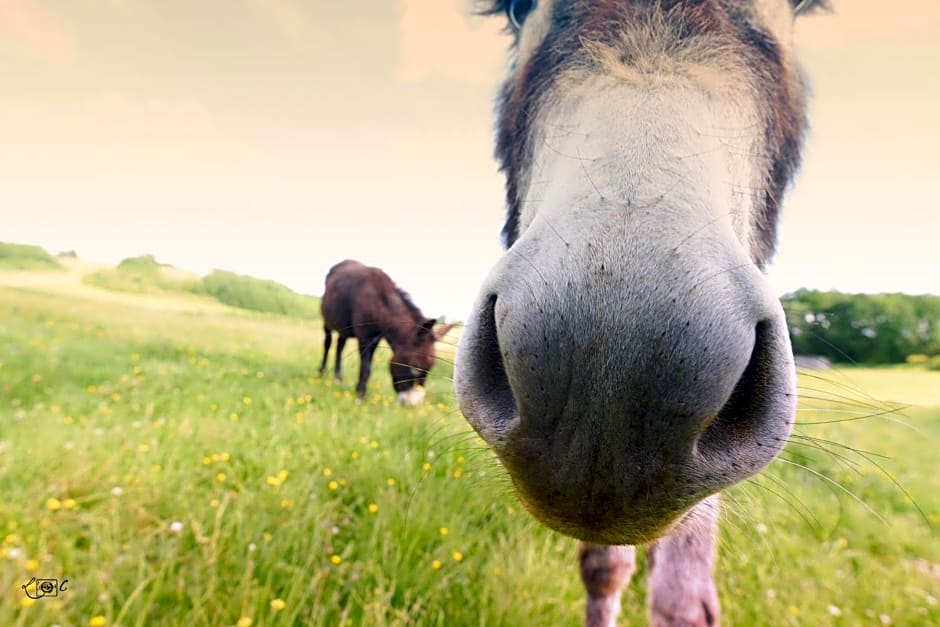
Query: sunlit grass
x=185, y=465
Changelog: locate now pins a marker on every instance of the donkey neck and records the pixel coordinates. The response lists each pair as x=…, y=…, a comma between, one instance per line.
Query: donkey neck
x=400, y=320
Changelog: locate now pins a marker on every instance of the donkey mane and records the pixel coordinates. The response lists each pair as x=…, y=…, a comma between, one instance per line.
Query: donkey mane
x=409, y=304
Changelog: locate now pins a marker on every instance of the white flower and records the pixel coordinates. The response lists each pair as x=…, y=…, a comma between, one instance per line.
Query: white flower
x=14, y=553
x=69, y=445
x=176, y=526
x=117, y=490
x=252, y=547
x=835, y=611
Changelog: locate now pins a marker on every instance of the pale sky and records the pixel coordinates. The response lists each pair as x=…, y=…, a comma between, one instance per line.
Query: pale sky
x=276, y=137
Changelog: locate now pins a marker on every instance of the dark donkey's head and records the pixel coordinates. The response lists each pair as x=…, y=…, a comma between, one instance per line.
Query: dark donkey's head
x=412, y=359
x=626, y=356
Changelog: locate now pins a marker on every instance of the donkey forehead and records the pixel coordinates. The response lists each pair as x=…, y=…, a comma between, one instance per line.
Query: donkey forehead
x=740, y=49
x=606, y=21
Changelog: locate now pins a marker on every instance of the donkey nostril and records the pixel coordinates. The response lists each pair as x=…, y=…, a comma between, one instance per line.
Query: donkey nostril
x=741, y=417
x=483, y=386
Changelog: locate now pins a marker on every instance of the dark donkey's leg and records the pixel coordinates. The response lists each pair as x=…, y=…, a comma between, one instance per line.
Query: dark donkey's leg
x=367, y=347
x=681, y=585
x=605, y=570
x=340, y=344
x=327, y=340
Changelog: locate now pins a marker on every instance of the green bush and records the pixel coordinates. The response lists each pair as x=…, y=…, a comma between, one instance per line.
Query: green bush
x=247, y=292
x=934, y=363
x=143, y=275
x=917, y=359
x=26, y=257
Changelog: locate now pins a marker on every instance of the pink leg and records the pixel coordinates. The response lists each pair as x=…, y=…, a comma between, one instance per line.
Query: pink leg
x=681, y=586
x=605, y=570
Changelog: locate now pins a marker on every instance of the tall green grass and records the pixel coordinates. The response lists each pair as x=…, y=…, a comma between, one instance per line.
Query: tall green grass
x=188, y=467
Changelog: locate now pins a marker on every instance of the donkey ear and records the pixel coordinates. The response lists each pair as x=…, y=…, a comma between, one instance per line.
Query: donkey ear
x=427, y=325
x=443, y=330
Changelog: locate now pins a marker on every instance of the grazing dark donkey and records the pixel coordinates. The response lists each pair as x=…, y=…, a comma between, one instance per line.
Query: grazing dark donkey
x=364, y=303
x=626, y=358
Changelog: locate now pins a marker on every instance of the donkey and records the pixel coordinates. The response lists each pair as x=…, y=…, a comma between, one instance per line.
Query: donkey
x=364, y=303
x=626, y=358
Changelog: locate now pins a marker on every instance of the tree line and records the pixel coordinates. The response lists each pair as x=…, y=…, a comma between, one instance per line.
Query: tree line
x=864, y=328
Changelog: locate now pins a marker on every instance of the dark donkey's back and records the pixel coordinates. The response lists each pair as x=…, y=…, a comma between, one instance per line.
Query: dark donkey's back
x=363, y=302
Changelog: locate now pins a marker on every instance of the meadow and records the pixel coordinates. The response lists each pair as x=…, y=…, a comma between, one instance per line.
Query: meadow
x=180, y=462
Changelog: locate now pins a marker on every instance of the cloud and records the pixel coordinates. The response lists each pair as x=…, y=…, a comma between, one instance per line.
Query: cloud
x=439, y=41
x=112, y=132
x=294, y=22
x=869, y=21
x=37, y=27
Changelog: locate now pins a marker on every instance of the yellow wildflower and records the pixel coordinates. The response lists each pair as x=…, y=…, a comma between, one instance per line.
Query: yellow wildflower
x=390, y=481
x=444, y=531
x=436, y=564
x=336, y=559
x=457, y=555
x=31, y=566
x=27, y=602
x=246, y=400
x=332, y=485
x=69, y=504
x=53, y=504
x=97, y=621
x=244, y=621
x=327, y=472
x=221, y=477
x=278, y=604
x=373, y=508
x=143, y=448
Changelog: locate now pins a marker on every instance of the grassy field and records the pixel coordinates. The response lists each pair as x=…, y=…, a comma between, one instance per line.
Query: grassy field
x=179, y=462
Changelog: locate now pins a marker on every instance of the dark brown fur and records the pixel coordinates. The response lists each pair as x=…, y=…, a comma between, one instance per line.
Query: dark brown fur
x=363, y=302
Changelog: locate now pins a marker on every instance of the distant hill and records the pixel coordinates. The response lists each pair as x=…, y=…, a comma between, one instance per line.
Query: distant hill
x=26, y=257
x=146, y=275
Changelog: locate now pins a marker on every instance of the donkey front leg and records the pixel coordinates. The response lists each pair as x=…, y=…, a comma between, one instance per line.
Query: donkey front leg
x=367, y=347
x=605, y=570
x=681, y=585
